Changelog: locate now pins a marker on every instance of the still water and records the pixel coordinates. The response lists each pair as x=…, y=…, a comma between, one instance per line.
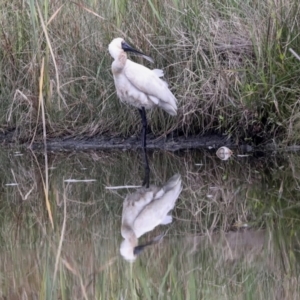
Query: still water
x=232, y=233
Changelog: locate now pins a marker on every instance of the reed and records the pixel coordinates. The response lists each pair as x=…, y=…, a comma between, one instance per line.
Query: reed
x=228, y=63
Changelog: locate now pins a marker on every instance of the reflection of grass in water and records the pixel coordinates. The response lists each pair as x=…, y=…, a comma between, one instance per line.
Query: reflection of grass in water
x=210, y=273
x=182, y=266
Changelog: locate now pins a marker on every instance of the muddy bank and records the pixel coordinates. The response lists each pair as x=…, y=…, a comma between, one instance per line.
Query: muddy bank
x=79, y=143
x=82, y=143
x=103, y=143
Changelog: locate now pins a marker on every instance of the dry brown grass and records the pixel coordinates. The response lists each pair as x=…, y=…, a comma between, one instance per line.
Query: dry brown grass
x=228, y=65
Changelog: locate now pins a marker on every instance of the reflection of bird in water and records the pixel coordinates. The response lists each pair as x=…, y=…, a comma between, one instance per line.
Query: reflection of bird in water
x=138, y=85
x=143, y=211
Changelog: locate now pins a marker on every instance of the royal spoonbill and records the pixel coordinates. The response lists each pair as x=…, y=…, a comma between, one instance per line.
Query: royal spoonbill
x=143, y=211
x=138, y=85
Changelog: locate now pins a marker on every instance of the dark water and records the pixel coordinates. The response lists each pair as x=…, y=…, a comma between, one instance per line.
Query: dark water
x=234, y=233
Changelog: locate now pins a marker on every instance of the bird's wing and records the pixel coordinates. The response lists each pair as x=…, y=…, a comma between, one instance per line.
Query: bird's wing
x=135, y=203
x=148, y=82
x=156, y=212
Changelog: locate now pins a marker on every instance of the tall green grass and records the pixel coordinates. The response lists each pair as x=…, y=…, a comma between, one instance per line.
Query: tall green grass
x=228, y=63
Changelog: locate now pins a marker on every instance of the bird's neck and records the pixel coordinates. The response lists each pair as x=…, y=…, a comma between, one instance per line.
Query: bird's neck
x=119, y=63
x=128, y=234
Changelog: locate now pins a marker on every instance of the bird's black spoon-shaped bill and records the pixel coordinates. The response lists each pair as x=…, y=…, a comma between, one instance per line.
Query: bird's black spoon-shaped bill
x=128, y=48
x=138, y=249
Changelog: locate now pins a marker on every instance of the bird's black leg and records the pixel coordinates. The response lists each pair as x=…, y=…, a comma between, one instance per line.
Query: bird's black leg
x=144, y=122
x=147, y=169
x=146, y=163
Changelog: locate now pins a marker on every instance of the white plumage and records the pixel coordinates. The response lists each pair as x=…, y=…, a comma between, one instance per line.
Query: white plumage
x=144, y=210
x=136, y=84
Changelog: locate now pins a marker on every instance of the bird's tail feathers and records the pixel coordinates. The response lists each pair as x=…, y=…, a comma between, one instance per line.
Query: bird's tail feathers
x=173, y=184
x=168, y=107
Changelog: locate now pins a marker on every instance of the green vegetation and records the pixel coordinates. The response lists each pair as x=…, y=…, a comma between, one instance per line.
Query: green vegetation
x=228, y=62
x=207, y=252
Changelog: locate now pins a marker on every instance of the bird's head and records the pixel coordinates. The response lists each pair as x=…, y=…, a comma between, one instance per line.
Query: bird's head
x=118, y=46
x=130, y=250
x=127, y=251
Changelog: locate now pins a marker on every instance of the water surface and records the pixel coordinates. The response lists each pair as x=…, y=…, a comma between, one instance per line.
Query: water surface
x=234, y=235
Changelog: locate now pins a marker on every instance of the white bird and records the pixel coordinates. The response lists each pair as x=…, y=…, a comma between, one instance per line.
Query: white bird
x=143, y=211
x=138, y=85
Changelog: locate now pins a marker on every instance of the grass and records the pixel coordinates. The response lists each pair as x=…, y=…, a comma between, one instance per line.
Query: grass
x=204, y=254
x=229, y=64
